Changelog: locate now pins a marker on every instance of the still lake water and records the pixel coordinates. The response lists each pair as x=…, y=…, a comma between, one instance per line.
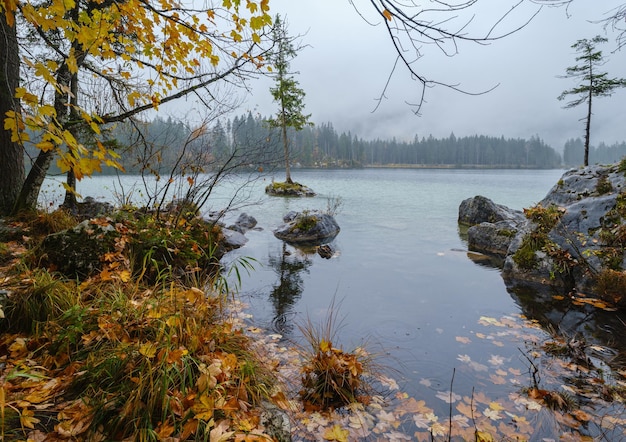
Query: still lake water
x=400, y=272
x=400, y=278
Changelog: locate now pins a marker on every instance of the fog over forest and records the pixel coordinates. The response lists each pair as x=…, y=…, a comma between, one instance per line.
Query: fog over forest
x=249, y=139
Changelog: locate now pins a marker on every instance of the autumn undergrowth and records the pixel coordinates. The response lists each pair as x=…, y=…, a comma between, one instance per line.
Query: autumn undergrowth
x=140, y=351
x=331, y=377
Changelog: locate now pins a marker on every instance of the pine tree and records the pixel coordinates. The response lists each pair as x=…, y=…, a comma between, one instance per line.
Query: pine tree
x=592, y=83
x=286, y=92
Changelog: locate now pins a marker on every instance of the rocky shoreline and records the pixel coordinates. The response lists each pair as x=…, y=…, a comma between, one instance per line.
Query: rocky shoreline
x=572, y=240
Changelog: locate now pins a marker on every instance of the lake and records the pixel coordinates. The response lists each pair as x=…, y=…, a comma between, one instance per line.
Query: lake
x=401, y=281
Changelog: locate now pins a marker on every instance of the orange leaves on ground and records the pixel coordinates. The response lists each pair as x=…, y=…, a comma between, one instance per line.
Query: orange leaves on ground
x=74, y=420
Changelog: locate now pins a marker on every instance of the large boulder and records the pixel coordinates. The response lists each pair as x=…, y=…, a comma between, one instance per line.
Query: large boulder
x=574, y=239
x=492, y=226
x=307, y=227
x=480, y=209
x=491, y=238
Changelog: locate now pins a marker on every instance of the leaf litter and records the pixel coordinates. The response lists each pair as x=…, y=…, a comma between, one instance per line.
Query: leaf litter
x=537, y=394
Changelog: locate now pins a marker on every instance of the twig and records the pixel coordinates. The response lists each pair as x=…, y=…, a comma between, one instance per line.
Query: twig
x=534, y=368
x=450, y=413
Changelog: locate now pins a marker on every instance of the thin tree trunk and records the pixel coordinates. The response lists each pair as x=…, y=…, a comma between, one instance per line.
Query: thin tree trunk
x=588, y=129
x=286, y=147
x=11, y=152
x=29, y=194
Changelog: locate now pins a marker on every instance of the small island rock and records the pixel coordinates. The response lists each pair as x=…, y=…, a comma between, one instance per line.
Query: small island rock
x=307, y=227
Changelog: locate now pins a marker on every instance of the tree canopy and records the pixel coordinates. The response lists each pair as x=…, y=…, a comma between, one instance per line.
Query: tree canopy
x=87, y=64
x=592, y=82
x=286, y=92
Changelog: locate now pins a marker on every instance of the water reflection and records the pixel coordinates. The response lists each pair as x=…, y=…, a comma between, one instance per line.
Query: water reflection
x=289, y=263
x=559, y=313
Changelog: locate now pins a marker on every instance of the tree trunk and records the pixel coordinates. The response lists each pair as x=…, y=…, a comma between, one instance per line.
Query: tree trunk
x=588, y=129
x=286, y=147
x=11, y=153
x=29, y=194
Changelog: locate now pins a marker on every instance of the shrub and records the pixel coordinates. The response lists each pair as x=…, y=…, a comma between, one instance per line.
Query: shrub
x=611, y=286
x=525, y=257
x=305, y=221
x=332, y=377
x=603, y=186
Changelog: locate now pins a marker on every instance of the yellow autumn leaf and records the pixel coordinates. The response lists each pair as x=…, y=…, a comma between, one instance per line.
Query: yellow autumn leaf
x=336, y=433
x=482, y=436
x=125, y=275
x=203, y=409
x=45, y=146
x=387, y=14
x=28, y=419
x=496, y=406
x=325, y=345
x=148, y=349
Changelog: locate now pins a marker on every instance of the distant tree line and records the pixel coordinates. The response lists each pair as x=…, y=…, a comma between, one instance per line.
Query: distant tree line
x=323, y=146
x=573, y=153
x=154, y=146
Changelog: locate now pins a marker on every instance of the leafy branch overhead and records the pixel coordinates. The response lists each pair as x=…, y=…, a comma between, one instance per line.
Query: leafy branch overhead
x=88, y=64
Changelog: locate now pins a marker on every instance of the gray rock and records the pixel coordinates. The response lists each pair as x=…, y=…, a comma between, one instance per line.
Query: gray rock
x=276, y=422
x=591, y=202
x=89, y=208
x=492, y=238
x=233, y=239
x=294, y=189
x=246, y=221
x=243, y=223
x=308, y=227
x=480, y=209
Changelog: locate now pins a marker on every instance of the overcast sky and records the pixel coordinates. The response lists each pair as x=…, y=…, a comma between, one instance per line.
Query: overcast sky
x=346, y=64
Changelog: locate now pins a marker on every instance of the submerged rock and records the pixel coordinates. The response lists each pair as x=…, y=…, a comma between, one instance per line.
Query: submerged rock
x=574, y=239
x=307, y=227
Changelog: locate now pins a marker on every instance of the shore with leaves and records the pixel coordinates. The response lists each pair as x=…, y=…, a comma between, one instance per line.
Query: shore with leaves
x=142, y=351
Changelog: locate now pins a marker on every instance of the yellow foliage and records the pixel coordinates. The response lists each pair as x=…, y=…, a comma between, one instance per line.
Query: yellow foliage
x=162, y=41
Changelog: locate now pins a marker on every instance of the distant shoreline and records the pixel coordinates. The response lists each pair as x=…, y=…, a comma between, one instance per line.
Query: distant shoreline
x=457, y=166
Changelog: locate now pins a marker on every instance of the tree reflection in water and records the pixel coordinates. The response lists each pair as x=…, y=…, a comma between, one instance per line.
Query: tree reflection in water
x=289, y=264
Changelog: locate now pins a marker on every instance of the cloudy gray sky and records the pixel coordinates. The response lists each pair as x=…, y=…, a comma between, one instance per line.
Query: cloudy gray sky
x=346, y=64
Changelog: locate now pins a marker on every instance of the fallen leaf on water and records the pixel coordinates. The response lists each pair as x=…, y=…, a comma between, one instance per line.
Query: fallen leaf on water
x=482, y=436
x=336, y=433
x=463, y=339
x=448, y=397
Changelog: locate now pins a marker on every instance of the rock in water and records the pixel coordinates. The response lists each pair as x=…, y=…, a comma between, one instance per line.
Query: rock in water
x=307, y=227
x=575, y=238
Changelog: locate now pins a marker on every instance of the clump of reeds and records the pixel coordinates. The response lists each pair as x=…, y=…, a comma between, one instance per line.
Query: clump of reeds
x=332, y=377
